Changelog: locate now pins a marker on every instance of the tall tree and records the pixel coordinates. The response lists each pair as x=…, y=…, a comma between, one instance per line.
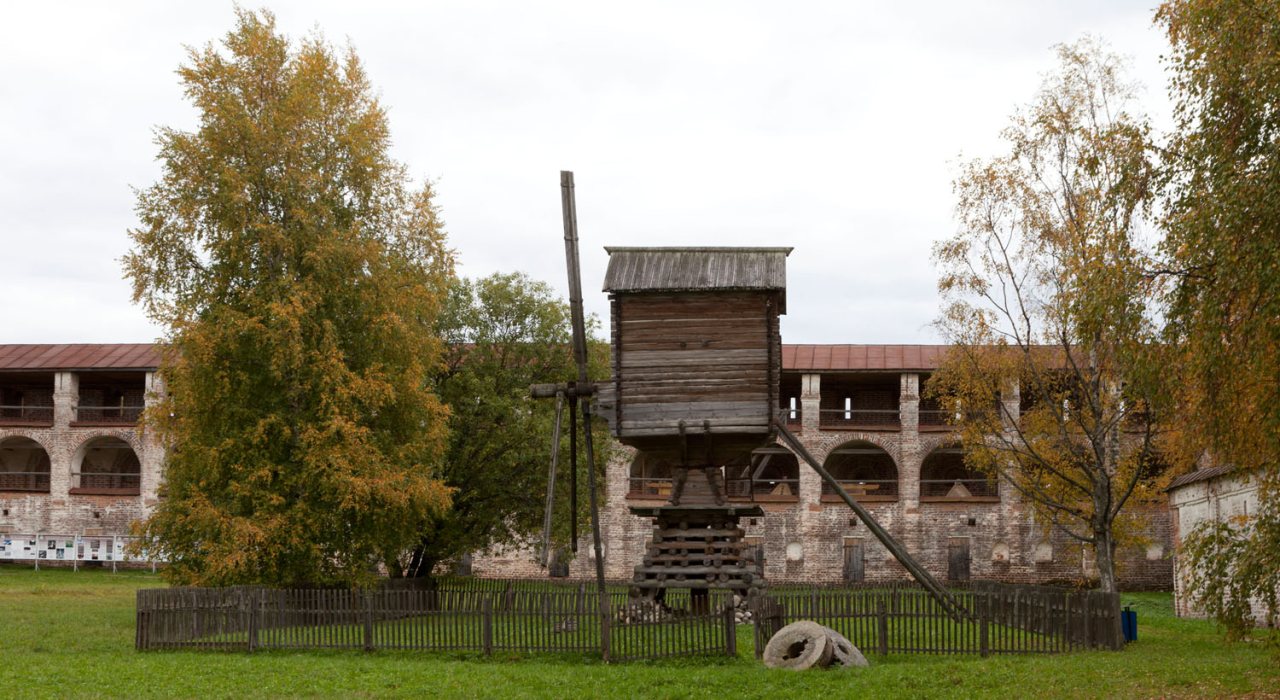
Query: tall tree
x=1051, y=375
x=299, y=276
x=503, y=333
x=1223, y=249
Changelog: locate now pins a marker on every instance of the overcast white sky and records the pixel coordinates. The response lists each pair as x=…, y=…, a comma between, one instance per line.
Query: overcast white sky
x=833, y=127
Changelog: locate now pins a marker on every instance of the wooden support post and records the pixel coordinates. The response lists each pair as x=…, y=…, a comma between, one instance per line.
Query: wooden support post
x=254, y=609
x=486, y=611
x=368, y=619
x=984, y=631
x=139, y=623
x=1113, y=609
x=569, y=209
x=730, y=630
x=1087, y=618
x=544, y=558
x=882, y=627
x=598, y=548
x=573, y=471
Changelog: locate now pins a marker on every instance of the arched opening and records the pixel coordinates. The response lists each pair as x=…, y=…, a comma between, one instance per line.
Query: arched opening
x=865, y=470
x=944, y=476
x=107, y=466
x=650, y=478
x=24, y=465
x=768, y=474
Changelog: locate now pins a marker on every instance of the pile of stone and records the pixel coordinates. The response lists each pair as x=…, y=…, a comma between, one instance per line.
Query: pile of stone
x=644, y=609
x=804, y=645
x=741, y=610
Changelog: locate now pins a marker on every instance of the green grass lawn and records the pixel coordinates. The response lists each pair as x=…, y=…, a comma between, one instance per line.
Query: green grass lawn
x=70, y=634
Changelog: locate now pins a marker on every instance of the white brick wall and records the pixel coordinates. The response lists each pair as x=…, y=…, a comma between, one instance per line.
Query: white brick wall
x=1228, y=496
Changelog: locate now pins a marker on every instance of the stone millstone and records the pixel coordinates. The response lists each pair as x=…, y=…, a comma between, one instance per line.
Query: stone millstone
x=843, y=653
x=799, y=646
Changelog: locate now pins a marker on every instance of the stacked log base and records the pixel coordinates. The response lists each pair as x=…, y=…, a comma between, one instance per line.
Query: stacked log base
x=698, y=547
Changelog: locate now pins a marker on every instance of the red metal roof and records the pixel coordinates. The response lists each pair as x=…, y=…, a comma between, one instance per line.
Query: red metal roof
x=139, y=356
x=830, y=358
x=853, y=358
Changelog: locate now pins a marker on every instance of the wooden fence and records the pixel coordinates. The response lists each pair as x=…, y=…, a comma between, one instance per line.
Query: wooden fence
x=1005, y=618
x=486, y=619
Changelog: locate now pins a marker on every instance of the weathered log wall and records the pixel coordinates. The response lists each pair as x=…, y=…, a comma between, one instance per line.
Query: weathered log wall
x=711, y=360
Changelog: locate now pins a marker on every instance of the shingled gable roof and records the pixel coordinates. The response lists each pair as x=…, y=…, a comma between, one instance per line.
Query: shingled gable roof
x=98, y=356
x=697, y=269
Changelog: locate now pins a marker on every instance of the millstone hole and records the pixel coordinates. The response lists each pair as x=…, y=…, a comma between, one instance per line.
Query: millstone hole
x=795, y=650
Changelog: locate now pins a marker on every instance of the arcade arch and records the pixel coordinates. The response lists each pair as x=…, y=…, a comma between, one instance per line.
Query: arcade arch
x=106, y=466
x=864, y=469
x=944, y=476
x=24, y=465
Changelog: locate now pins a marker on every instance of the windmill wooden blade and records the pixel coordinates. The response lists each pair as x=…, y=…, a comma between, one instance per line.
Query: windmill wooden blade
x=569, y=209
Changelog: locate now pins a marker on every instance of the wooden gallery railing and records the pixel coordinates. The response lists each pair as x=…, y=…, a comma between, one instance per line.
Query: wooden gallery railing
x=1006, y=619
x=543, y=619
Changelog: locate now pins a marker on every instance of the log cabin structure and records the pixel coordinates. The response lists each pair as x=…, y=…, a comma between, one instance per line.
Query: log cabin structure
x=696, y=360
x=696, y=350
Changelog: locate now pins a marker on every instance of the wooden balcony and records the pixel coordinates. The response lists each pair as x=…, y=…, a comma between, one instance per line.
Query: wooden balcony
x=107, y=415
x=106, y=484
x=31, y=482
x=935, y=420
x=859, y=419
x=34, y=416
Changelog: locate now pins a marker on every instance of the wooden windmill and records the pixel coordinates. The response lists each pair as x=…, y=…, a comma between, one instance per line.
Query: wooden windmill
x=696, y=362
x=697, y=357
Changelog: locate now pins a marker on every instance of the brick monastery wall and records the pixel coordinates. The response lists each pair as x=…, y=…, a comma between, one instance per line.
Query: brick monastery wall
x=1005, y=541
x=60, y=512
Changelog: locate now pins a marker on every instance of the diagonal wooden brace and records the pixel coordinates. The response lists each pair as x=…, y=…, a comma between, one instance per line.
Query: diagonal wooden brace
x=923, y=577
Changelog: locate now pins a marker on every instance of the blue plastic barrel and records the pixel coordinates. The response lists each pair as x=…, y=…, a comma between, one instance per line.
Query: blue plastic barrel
x=1129, y=624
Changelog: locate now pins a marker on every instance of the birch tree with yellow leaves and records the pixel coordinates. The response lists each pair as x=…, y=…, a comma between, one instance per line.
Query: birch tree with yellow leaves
x=299, y=275
x=1053, y=375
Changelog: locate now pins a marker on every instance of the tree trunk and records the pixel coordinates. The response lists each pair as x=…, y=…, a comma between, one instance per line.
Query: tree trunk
x=1104, y=554
x=421, y=564
x=1105, y=550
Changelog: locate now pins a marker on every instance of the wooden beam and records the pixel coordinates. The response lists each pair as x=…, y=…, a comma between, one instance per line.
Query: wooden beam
x=923, y=577
x=568, y=389
x=569, y=209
